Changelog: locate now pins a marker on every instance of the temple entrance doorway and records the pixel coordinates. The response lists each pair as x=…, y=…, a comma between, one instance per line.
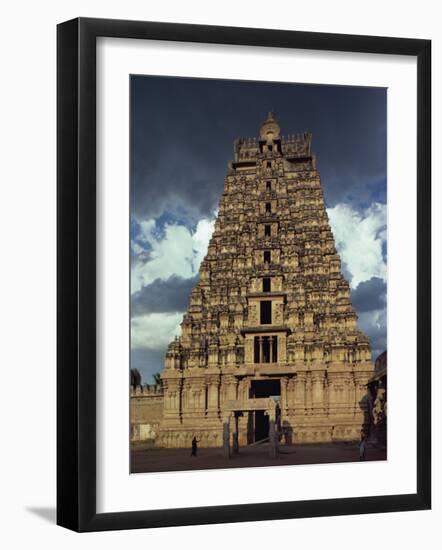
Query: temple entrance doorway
x=258, y=422
x=261, y=426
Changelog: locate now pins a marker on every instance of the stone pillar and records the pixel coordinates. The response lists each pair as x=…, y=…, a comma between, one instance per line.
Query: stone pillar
x=352, y=393
x=308, y=391
x=213, y=355
x=226, y=436
x=195, y=391
x=284, y=396
x=243, y=389
x=282, y=348
x=273, y=433
x=243, y=429
x=231, y=355
x=213, y=396
x=334, y=403
x=235, y=440
x=361, y=404
x=172, y=401
x=290, y=392
x=185, y=395
x=299, y=383
x=318, y=391
x=229, y=384
x=232, y=387
x=249, y=350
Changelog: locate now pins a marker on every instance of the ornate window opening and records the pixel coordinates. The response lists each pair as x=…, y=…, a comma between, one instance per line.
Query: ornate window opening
x=266, y=312
x=266, y=284
x=265, y=349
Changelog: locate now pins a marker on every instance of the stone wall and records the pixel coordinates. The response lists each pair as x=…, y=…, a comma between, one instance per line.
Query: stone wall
x=146, y=411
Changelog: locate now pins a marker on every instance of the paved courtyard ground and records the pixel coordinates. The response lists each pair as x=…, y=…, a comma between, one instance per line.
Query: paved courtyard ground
x=146, y=458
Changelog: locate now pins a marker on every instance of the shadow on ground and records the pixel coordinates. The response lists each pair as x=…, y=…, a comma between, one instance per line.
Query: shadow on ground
x=151, y=459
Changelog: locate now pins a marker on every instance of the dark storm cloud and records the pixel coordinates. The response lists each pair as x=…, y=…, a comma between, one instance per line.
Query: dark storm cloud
x=369, y=295
x=163, y=296
x=148, y=362
x=183, y=130
x=370, y=299
x=377, y=334
x=370, y=302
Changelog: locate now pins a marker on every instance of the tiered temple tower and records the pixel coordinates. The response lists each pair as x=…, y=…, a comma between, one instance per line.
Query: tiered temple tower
x=271, y=317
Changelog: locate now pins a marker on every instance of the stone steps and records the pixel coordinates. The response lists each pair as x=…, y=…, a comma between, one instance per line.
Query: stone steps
x=260, y=442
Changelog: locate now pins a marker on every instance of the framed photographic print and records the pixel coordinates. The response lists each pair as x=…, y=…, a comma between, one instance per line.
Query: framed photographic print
x=243, y=236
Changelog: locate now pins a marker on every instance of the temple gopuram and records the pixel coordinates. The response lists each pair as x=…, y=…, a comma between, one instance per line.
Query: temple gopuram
x=269, y=345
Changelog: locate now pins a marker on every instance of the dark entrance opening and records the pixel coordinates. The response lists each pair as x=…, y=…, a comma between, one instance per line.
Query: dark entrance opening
x=258, y=422
x=261, y=425
x=265, y=388
x=266, y=312
x=266, y=284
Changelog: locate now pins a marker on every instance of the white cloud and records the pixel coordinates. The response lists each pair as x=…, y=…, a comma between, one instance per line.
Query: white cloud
x=136, y=248
x=154, y=331
x=179, y=252
x=359, y=239
x=201, y=239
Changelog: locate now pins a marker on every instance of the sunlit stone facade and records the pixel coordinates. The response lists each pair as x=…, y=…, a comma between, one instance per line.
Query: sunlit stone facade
x=271, y=315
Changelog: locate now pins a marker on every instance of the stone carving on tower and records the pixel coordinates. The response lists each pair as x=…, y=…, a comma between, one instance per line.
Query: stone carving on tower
x=271, y=315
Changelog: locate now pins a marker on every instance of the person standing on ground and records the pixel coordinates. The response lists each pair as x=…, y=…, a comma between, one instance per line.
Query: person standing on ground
x=194, y=447
x=362, y=446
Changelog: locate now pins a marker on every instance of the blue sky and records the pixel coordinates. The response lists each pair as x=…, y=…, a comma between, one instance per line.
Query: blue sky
x=182, y=133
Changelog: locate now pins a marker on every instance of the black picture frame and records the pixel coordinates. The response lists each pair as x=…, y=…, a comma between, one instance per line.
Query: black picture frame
x=77, y=287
